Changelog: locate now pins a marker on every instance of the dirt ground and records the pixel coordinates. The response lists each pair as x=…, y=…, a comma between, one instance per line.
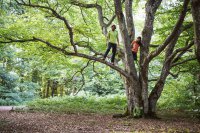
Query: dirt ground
x=36, y=122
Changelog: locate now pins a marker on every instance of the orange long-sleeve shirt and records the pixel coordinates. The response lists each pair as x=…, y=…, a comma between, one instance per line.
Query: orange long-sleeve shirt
x=135, y=46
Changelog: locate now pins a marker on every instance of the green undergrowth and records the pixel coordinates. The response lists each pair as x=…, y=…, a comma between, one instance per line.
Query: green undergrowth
x=68, y=104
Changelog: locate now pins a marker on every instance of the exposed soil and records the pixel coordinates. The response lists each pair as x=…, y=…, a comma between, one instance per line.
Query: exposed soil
x=37, y=122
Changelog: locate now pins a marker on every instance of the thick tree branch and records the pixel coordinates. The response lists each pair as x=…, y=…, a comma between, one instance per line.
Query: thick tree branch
x=10, y=40
x=34, y=39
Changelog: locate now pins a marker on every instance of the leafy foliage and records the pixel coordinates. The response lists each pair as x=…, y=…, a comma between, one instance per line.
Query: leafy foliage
x=101, y=105
x=27, y=68
x=183, y=95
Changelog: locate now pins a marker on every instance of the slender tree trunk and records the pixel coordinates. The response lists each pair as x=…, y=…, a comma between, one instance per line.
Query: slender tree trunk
x=35, y=76
x=61, y=89
x=157, y=90
x=47, y=89
x=169, y=56
x=196, y=18
x=54, y=88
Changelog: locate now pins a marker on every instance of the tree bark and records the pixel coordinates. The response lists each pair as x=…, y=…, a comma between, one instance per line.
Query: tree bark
x=131, y=83
x=103, y=25
x=196, y=18
x=169, y=56
x=157, y=90
x=170, y=44
x=129, y=19
x=150, y=9
x=47, y=89
x=54, y=88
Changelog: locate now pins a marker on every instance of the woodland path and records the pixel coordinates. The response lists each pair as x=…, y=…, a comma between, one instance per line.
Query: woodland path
x=6, y=108
x=27, y=122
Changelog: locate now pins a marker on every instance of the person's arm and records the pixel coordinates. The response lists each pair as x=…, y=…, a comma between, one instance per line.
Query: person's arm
x=108, y=37
x=117, y=41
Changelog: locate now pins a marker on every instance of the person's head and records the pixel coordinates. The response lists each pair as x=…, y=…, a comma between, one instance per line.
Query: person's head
x=139, y=39
x=113, y=27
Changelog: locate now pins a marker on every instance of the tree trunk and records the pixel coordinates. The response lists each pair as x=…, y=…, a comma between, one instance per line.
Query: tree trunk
x=61, y=89
x=133, y=94
x=54, y=88
x=131, y=83
x=196, y=18
x=35, y=76
x=157, y=90
x=150, y=9
x=169, y=56
x=47, y=89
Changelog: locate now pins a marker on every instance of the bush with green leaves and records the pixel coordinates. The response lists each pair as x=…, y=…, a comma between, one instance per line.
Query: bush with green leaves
x=13, y=92
x=8, y=81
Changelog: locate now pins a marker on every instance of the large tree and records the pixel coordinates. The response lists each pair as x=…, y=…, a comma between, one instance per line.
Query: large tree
x=136, y=82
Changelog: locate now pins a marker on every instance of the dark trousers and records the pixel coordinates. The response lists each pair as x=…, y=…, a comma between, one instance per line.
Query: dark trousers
x=114, y=49
x=134, y=56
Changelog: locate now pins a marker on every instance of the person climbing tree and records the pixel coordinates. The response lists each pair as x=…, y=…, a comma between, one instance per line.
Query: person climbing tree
x=135, y=46
x=113, y=42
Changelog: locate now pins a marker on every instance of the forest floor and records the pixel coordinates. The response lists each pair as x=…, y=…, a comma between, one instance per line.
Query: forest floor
x=32, y=122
